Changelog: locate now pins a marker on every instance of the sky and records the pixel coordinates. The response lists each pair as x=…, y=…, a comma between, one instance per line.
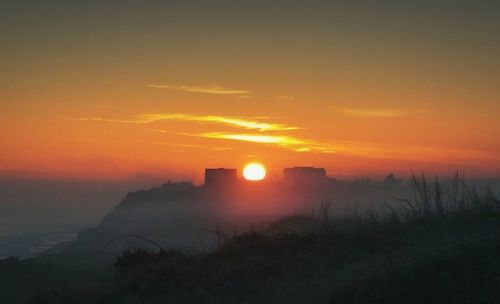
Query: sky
x=131, y=89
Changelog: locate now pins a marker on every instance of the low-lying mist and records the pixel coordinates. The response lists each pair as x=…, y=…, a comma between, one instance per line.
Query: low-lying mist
x=36, y=215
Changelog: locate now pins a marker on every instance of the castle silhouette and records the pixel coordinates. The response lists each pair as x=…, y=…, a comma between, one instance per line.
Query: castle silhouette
x=215, y=177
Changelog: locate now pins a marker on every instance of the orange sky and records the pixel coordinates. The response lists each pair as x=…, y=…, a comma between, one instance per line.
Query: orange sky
x=99, y=93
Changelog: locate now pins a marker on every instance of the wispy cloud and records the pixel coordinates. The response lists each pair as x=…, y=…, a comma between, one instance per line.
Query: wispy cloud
x=226, y=120
x=373, y=113
x=361, y=149
x=289, y=142
x=278, y=135
x=218, y=90
x=285, y=97
x=250, y=124
x=264, y=139
x=137, y=142
x=101, y=119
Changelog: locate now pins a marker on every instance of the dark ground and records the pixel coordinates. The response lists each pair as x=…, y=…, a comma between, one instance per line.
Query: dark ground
x=432, y=251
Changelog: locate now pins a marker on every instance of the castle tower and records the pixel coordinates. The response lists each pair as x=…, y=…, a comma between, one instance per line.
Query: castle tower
x=304, y=176
x=220, y=177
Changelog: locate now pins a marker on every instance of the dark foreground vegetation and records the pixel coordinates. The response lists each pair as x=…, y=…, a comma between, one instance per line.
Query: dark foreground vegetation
x=442, y=245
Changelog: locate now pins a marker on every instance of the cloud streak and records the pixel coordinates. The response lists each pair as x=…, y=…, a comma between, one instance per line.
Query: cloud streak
x=366, y=150
x=372, y=113
x=276, y=135
x=249, y=124
x=137, y=142
x=217, y=90
x=245, y=123
x=289, y=142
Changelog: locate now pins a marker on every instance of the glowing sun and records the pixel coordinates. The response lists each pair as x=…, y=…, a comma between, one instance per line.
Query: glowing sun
x=254, y=172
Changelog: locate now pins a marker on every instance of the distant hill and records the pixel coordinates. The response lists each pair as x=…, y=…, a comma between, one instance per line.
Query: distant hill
x=182, y=215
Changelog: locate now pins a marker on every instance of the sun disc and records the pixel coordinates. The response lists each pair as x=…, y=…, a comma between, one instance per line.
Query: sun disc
x=254, y=172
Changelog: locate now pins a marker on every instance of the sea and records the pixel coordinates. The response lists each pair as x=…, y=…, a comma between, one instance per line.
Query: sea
x=32, y=244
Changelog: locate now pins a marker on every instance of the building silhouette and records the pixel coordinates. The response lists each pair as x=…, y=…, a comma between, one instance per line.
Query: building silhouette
x=304, y=176
x=217, y=177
